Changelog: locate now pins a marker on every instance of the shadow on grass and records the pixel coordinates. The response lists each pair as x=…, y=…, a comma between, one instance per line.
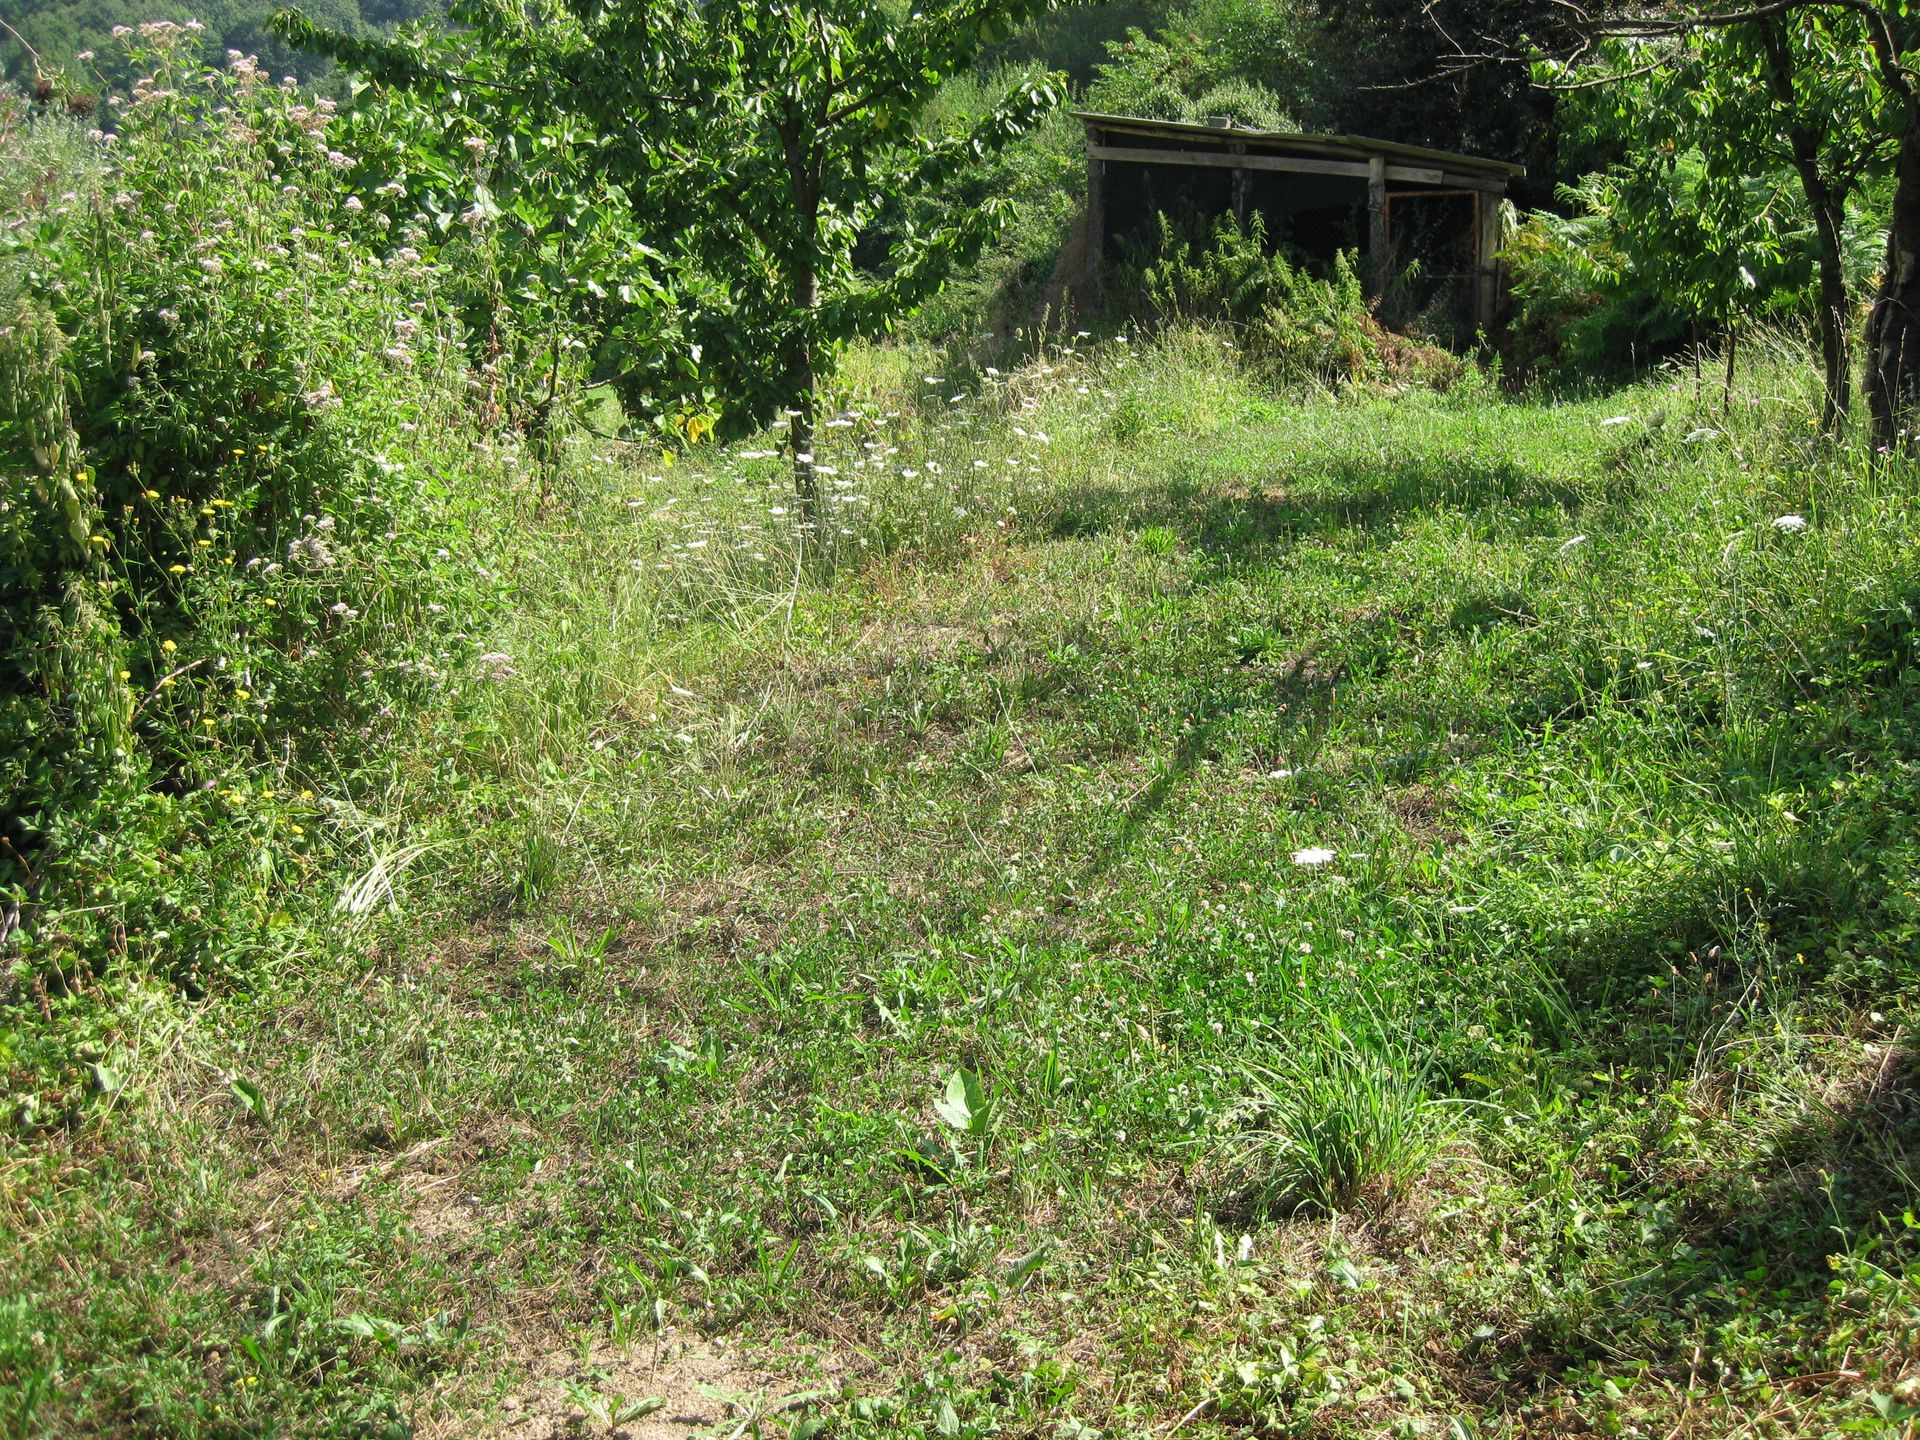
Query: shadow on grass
x=1856, y=756
x=1351, y=493
x=1301, y=690
x=1804, y=1165
x=1844, y=1167
x=1755, y=1251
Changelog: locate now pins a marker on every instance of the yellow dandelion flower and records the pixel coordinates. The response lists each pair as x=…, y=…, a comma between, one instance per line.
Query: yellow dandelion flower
x=168, y=646
x=149, y=494
x=126, y=674
x=243, y=694
x=176, y=569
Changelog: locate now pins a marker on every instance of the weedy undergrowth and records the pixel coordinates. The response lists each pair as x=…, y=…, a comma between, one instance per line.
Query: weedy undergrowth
x=242, y=520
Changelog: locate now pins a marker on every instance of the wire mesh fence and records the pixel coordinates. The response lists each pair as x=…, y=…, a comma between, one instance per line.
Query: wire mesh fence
x=1433, y=236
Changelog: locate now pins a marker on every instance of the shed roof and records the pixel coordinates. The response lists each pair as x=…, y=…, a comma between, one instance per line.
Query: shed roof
x=1328, y=147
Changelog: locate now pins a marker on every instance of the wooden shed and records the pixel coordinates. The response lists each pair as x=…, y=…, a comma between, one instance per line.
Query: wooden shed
x=1398, y=205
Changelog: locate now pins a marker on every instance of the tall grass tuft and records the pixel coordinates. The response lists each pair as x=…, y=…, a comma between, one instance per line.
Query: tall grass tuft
x=1342, y=1123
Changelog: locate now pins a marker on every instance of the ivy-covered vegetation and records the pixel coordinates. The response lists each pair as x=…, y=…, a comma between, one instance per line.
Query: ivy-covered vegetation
x=651, y=783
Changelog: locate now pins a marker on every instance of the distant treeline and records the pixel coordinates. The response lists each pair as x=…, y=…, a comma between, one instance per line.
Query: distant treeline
x=60, y=32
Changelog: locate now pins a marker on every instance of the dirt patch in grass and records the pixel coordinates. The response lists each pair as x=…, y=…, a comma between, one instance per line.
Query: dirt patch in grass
x=1423, y=812
x=445, y=1217
x=898, y=641
x=749, y=910
x=702, y=1386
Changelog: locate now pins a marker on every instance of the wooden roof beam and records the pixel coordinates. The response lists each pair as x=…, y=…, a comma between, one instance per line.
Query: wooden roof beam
x=1295, y=165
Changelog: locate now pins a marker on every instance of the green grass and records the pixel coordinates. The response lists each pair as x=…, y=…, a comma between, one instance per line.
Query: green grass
x=897, y=966
x=1335, y=1125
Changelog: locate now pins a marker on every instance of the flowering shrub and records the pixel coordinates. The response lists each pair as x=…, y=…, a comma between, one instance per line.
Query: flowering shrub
x=229, y=405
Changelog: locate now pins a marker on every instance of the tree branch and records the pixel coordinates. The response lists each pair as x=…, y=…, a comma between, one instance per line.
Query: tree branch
x=22, y=40
x=1886, y=49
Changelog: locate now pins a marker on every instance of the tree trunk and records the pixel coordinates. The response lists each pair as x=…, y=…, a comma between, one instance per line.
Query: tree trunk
x=1804, y=143
x=806, y=483
x=1835, y=365
x=1893, y=325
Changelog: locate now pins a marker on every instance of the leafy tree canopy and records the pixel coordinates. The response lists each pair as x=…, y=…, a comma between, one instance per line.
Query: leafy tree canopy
x=1743, y=145
x=704, y=173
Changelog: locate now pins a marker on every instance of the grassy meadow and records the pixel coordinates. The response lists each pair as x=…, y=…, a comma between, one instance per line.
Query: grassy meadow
x=1198, y=913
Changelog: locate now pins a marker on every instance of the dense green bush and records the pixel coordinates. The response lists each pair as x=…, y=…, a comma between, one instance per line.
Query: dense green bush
x=1182, y=74
x=230, y=540
x=1600, y=291
x=1043, y=174
x=1575, y=304
x=1072, y=39
x=1246, y=104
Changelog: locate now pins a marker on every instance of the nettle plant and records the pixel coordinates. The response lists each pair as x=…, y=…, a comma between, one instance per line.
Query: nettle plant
x=698, y=181
x=224, y=507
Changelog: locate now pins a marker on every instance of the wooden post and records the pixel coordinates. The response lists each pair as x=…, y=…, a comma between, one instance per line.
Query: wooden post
x=1242, y=182
x=1096, y=224
x=1380, y=260
x=1486, y=298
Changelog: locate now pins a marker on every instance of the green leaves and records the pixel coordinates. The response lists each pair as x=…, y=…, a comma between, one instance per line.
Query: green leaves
x=1712, y=131
x=252, y=1098
x=608, y=1409
x=683, y=189
x=966, y=1106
